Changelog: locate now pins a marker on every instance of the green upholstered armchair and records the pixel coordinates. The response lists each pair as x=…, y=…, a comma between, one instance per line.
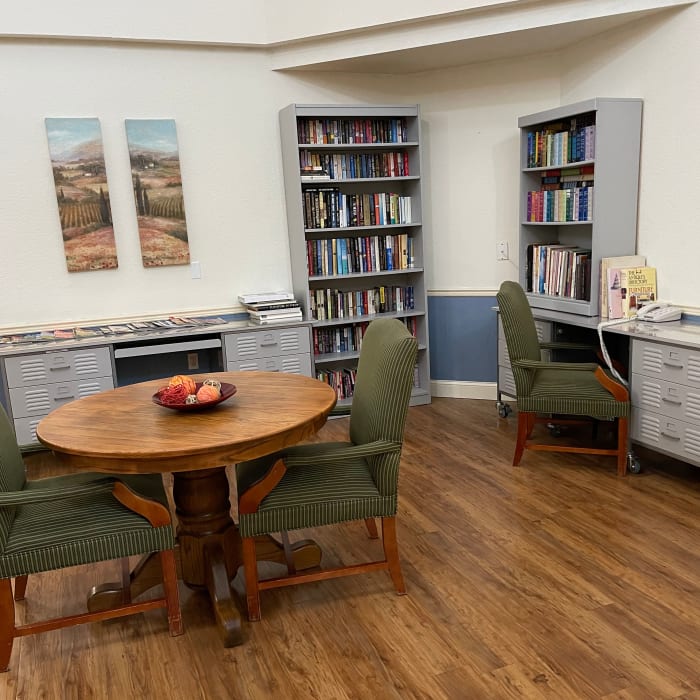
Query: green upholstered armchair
x=54, y=523
x=556, y=388
x=324, y=483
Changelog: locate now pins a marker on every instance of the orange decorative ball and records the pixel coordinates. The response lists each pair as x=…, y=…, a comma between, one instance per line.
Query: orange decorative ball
x=186, y=381
x=207, y=393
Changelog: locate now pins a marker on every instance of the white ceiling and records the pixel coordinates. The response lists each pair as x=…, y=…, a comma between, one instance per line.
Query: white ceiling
x=372, y=54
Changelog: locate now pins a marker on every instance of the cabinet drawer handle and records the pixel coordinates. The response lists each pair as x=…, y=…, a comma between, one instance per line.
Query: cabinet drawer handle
x=670, y=437
x=674, y=365
x=675, y=403
x=267, y=343
x=65, y=397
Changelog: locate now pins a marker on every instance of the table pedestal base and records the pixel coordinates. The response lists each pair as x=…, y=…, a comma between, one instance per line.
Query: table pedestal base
x=208, y=554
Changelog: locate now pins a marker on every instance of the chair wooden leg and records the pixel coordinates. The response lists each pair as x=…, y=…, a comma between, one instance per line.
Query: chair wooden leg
x=20, y=587
x=172, y=596
x=250, y=570
x=371, y=524
x=622, y=431
x=531, y=419
x=524, y=430
x=7, y=623
x=391, y=553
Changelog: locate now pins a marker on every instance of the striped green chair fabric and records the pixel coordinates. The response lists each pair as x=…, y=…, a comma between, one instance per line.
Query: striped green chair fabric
x=54, y=523
x=321, y=484
x=556, y=388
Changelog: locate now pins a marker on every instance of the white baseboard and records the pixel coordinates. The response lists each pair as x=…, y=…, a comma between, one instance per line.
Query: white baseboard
x=463, y=390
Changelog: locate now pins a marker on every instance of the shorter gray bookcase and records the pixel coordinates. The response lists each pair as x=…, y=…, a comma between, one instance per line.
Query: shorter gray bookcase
x=579, y=182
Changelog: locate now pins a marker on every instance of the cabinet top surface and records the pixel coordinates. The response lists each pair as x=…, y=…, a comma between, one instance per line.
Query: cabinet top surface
x=140, y=337
x=356, y=110
x=683, y=333
x=564, y=111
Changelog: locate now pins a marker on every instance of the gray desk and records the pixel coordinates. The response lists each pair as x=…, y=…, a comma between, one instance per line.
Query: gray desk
x=664, y=378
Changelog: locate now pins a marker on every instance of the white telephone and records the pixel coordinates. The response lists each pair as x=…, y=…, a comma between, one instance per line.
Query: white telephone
x=658, y=312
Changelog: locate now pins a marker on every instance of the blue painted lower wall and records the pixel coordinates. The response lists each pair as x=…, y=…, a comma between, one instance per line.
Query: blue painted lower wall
x=463, y=338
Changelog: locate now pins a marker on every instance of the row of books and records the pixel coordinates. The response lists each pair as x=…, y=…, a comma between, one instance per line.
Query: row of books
x=561, y=178
x=560, y=205
x=327, y=304
x=559, y=270
x=560, y=143
x=344, y=256
x=328, y=207
x=348, y=166
x=337, y=131
x=108, y=330
x=271, y=307
x=341, y=380
x=339, y=339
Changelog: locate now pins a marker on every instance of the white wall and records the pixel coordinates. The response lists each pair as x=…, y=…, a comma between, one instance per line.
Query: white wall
x=657, y=61
x=229, y=152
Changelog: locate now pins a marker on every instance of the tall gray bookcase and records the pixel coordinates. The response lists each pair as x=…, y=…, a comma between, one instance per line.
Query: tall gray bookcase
x=579, y=183
x=352, y=177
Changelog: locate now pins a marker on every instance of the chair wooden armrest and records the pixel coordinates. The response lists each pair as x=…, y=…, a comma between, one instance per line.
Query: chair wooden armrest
x=619, y=391
x=156, y=513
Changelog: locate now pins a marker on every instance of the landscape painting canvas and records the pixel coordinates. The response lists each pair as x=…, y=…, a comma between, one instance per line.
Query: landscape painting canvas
x=80, y=177
x=160, y=207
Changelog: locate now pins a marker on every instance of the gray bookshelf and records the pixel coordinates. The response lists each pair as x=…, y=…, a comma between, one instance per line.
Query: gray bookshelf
x=612, y=228
x=382, y=143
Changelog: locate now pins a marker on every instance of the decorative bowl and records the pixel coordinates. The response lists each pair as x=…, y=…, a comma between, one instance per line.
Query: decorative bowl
x=227, y=391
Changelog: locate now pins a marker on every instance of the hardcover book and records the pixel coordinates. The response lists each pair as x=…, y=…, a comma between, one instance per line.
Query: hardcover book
x=638, y=289
x=613, y=293
x=620, y=261
x=629, y=289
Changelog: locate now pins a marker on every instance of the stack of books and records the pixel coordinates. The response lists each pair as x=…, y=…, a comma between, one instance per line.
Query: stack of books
x=271, y=307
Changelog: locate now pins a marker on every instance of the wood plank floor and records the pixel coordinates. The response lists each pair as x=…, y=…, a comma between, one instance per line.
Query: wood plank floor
x=555, y=579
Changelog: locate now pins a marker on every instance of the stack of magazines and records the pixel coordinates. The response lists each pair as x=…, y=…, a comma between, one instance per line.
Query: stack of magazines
x=271, y=307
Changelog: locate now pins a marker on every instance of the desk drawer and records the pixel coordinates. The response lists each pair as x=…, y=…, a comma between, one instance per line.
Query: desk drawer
x=506, y=383
x=59, y=366
x=42, y=399
x=25, y=430
x=266, y=342
x=669, y=435
x=290, y=364
x=666, y=398
x=668, y=362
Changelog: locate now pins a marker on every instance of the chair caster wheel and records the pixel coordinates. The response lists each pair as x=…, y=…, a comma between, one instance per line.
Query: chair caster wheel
x=633, y=465
x=504, y=410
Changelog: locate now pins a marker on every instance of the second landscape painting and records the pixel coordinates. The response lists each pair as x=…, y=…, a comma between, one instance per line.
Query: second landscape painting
x=160, y=207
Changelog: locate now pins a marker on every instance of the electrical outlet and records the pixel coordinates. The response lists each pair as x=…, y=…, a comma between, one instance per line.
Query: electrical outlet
x=192, y=360
x=502, y=250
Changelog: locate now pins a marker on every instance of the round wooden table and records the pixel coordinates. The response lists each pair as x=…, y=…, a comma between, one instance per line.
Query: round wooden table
x=123, y=431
